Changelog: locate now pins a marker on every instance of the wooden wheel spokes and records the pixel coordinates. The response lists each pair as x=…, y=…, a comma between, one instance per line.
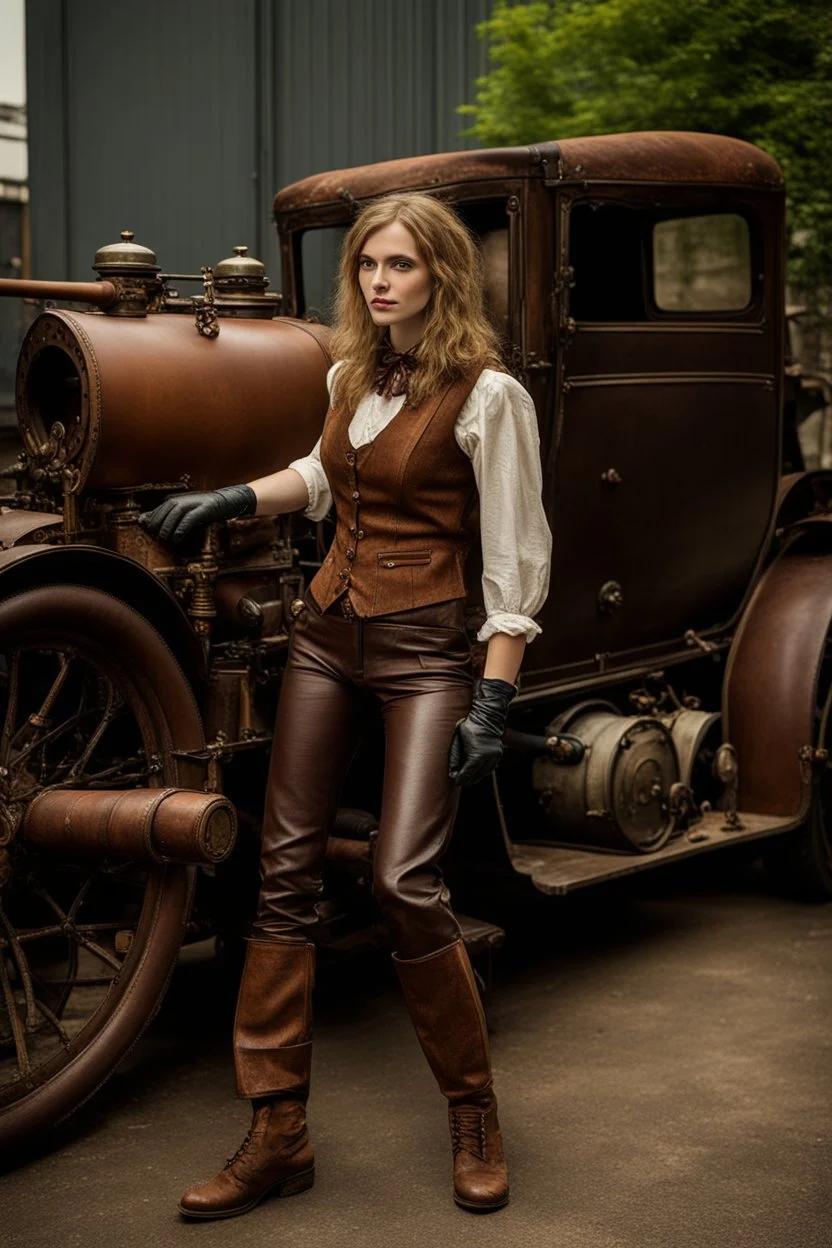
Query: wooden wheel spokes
x=91, y=697
x=60, y=740
x=33, y=1002
x=40, y=718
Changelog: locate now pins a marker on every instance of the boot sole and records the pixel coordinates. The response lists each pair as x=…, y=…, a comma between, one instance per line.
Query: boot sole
x=475, y=1206
x=283, y=1187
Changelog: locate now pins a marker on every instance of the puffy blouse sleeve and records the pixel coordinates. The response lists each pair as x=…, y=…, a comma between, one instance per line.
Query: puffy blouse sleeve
x=497, y=429
x=311, y=469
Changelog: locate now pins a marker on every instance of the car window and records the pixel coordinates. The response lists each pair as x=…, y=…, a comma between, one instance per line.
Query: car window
x=702, y=263
x=320, y=250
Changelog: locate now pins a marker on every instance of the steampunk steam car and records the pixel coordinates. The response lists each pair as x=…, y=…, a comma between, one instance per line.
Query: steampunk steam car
x=677, y=700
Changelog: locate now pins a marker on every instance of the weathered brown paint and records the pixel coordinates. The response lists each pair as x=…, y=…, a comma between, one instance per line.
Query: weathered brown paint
x=770, y=690
x=670, y=156
x=159, y=401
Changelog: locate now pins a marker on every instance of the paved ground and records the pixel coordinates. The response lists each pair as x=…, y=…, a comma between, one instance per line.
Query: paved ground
x=662, y=1053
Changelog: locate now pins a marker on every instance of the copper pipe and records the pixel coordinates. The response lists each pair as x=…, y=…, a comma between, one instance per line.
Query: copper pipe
x=143, y=825
x=102, y=294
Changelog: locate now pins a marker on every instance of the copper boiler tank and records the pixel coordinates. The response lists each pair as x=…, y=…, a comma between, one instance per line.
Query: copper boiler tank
x=148, y=388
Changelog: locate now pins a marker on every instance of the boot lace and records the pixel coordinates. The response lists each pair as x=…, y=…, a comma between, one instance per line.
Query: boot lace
x=468, y=1131
x=255, y=1131
x=230, y=1162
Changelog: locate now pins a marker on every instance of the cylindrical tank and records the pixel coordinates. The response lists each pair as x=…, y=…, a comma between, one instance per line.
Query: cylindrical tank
x=618, y=796
x=145, y=825
x=150, y=401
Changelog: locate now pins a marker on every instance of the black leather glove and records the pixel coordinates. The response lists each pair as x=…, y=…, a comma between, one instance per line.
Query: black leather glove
x=477, y=744
x=179, y=518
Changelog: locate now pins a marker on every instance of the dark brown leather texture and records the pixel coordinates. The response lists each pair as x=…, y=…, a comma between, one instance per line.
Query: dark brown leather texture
x=406, y=506
x=416, y=667
x=273, y=1023
x=480, y=1170
x=275, y=1158
x=445, y=1006
x=444, y=1003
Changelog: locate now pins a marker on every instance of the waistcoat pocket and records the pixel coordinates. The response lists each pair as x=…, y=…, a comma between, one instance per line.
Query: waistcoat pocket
x=403, y=558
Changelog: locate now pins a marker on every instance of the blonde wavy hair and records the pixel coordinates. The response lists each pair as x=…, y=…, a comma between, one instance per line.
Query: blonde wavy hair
x=457, y=335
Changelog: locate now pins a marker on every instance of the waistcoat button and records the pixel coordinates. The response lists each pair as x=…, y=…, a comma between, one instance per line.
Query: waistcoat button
x=350, y=457
x=352, y=528
x=359, y=534
x=350, y=553
x=355, y=494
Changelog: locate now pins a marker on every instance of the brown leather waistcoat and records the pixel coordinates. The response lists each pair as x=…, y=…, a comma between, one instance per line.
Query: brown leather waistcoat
x=407, y=509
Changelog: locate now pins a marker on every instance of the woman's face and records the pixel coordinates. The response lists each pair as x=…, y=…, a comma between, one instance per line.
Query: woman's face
x=396, y=283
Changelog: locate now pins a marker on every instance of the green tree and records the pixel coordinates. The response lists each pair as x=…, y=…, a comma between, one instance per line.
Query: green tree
x=759, y=70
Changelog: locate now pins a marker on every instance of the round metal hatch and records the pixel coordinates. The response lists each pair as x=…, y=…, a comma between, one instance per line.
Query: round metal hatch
x=640, y=771
x=618, y=796
x=125, y=257
x=240, y=283
x=241, y=266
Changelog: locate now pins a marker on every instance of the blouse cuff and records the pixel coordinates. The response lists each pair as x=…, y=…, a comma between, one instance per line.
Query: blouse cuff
x=320, y=499
x=514, y=625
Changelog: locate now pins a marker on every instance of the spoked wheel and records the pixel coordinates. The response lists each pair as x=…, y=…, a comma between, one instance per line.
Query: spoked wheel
x=90, y=697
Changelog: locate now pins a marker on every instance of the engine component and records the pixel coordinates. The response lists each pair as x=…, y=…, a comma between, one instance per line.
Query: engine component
x=618, y=796
x=89, y=385
x=689, y=730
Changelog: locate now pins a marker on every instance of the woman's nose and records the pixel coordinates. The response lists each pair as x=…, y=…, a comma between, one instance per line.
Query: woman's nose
x=379, y=281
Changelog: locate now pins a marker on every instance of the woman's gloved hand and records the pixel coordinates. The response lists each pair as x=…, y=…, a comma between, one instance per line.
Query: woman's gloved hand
x=477, y=744
x=179, y=518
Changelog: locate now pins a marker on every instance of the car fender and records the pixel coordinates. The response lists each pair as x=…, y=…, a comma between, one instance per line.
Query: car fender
x=771, y=693
x=27, y=566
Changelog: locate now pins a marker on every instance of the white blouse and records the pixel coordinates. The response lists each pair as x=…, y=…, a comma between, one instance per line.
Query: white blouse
x=497, y=430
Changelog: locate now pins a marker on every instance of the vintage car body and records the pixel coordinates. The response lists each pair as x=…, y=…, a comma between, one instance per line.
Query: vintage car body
x=676, y=701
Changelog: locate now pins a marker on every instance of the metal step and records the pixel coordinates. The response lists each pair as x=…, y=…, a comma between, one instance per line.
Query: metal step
x=562, y=869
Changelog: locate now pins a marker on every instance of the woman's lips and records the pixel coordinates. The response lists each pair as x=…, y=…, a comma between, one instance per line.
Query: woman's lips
x=383, y=303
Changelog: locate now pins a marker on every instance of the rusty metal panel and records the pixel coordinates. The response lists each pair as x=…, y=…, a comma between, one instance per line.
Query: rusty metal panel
x=770, y=713
x=640, y=498
x=559, y=871
x=656, y=156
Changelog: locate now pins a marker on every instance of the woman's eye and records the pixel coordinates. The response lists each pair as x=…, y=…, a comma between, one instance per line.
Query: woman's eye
x=403, y=264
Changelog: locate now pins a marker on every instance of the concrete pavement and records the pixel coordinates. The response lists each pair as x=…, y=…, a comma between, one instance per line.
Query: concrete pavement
x=662, y=1054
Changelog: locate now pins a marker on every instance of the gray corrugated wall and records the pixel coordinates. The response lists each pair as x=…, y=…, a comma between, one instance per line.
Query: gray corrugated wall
x=180, y=120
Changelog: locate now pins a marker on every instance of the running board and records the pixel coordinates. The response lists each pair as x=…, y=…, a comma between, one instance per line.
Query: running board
x=561, y=869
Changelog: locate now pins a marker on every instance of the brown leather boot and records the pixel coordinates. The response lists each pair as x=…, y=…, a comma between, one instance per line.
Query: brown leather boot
x=275, y=1158
x=272, y=1058
x=445, y=1006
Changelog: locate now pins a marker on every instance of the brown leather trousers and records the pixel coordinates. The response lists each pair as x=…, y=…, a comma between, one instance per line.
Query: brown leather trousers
x=416, y=665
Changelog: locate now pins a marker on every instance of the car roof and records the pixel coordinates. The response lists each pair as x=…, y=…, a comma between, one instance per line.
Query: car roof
x=653, y=156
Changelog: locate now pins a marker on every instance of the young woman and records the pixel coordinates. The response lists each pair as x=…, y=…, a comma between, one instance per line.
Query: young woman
x=425, y=429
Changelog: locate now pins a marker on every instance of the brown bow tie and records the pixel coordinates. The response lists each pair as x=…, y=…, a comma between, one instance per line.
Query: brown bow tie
x=392, y=376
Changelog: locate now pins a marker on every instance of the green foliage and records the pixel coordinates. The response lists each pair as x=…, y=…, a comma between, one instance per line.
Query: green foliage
x=759, y=70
